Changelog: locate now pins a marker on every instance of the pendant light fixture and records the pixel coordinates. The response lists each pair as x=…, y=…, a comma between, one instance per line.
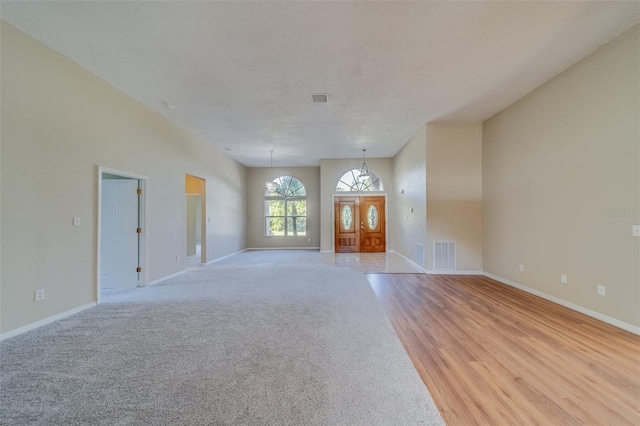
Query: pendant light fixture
x=364, y=170
x=270, y=185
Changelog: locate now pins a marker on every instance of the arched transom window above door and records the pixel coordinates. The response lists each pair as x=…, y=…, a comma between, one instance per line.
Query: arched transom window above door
x=352, y=181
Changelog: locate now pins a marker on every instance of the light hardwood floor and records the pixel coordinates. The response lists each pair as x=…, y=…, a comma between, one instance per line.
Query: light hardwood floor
x=494, y=355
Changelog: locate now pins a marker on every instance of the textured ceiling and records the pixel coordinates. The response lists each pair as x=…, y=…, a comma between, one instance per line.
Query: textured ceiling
x=241, y=74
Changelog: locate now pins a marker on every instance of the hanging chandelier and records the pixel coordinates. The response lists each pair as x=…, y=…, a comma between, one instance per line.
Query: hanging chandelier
x=364, y=170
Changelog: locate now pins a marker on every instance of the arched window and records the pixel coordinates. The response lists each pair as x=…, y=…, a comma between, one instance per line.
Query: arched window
x=352, y=181
x=285, y=208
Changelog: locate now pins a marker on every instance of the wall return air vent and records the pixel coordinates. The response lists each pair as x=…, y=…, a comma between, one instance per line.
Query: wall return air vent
x=420, y=254
x=319, y=98
x=444, y=255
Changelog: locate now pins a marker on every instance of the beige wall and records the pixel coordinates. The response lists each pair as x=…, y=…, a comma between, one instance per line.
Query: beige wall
x=60, y=123
x=410, y=176
x=331, y=170
x=256, y=178
x=454, y=191
x=556, y=164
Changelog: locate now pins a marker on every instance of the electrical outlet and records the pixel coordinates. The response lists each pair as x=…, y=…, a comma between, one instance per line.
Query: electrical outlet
x=521, y=267
x=563, y=279
x=177, y=258
x=39, y=294
x=601, y=290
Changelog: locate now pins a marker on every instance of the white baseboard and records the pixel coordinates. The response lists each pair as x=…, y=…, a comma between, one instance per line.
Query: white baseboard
x=593, y=314
x=282, y=248
x=46, y=321
x=455, y=272
x=411, y=262
x=159, y=280
x=224, y=257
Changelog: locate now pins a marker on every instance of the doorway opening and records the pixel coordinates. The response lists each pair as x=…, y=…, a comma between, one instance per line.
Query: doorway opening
x=360, y=224
x=122, y=261
x=196, y=221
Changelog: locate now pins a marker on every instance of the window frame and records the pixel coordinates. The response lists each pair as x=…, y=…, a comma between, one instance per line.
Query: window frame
x=286, y=199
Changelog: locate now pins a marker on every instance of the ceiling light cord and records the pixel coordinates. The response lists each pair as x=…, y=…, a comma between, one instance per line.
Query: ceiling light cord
x=270, y=185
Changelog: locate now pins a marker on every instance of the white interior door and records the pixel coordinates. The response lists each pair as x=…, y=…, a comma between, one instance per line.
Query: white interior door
x=119, y=237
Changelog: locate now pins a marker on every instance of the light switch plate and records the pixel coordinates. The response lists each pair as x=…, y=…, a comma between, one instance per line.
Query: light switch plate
x=563, y=279
x=76, y=221
x=635, y=229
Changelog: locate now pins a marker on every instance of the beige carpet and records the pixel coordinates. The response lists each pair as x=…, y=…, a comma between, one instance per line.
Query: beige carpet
x=261, y=344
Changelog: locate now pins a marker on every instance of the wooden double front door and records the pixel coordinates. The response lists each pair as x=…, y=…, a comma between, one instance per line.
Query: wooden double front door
x=359, y=224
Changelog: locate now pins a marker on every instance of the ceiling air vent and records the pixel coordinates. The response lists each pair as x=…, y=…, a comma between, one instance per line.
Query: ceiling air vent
x=319, y=99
